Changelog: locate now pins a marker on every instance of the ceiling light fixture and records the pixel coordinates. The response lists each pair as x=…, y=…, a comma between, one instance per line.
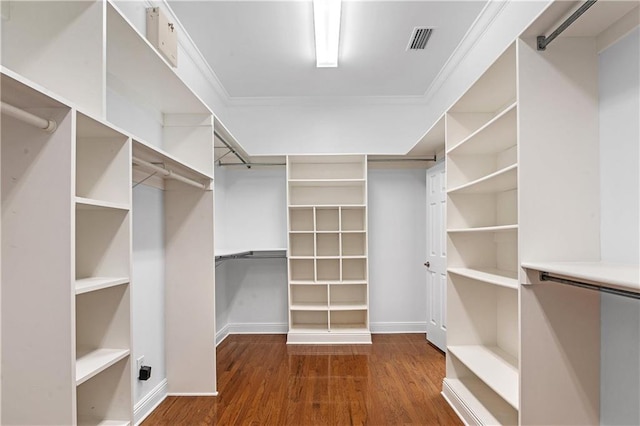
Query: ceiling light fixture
x=326, y=20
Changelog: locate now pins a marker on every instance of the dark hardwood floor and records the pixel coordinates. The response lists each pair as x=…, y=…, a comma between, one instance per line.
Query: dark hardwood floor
x=262, y=381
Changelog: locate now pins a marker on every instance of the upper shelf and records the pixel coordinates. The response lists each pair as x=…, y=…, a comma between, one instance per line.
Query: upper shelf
x=497, y=135
x=603, y=274
x=134, y=67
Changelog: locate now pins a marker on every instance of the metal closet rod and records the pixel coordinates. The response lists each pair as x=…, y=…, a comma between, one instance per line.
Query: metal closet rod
x=543, y=41
x=230, y=148
x=49, y=126
x=545, y=276
x=371, y=160
x=167, y=173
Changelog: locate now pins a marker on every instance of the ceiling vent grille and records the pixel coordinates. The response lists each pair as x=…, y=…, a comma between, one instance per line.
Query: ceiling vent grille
x=419, y=38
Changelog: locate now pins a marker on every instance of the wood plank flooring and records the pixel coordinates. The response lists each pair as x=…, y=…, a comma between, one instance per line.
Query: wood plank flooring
x=262, y=381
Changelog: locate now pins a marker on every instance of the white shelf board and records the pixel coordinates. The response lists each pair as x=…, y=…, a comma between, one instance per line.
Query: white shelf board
x=348, y=328
x=348, y=307
x=324, y=206
x=86, y=285
x=503, y=180
x=309, y=307
x=494, y=367
x=482, y=402
x=306, y=282
x=605, y=274
x=496, y=136
x=353, y=232
x=360, y=256
x=92, y=204
x=499, y=228
x=152, y=154
x=99, y=422
x=237, y=251
x=308, y=257
x=494, y=276
x=91, y=362
x=327, y=182
x=306, y=328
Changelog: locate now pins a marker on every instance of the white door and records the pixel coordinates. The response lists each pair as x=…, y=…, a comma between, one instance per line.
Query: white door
x=436, y=262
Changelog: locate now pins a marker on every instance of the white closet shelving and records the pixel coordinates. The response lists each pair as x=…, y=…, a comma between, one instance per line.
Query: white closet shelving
x=482, y=255
x=519, y=203
x=328, y=271
x=66, y=200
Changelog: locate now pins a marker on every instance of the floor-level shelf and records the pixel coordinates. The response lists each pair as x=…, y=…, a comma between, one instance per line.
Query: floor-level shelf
x=478, y=404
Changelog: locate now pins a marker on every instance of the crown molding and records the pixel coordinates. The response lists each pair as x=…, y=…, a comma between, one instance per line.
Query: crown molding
x=325, y=100
x=485, y=19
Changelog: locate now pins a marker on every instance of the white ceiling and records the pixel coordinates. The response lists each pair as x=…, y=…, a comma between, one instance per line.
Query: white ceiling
x=266, y=48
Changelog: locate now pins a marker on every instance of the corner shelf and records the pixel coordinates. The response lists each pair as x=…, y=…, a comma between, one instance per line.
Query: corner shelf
x=503, y=180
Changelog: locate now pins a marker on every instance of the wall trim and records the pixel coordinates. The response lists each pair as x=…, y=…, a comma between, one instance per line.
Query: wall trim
x=222, y=334
x=258, y=328
x=149, y=402
x=398, y=327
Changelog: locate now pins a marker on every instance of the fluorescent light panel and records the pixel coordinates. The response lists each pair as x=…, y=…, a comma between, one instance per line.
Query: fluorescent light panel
x=326, y=20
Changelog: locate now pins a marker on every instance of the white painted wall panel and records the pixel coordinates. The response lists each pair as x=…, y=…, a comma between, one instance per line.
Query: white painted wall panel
x=619, y=74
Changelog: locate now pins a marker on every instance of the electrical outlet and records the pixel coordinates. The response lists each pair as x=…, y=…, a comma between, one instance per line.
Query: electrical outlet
x=139, y=363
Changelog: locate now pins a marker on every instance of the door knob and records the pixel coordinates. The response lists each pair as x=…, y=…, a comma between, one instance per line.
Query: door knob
x=427, y=264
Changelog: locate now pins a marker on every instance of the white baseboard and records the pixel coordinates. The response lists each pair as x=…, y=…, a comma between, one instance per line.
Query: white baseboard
x=398, y=327
x=258, y=328
x=149, y=402
x=222, y=334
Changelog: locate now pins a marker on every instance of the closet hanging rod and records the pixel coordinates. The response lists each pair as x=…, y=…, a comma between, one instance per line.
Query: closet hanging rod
x=543, y=41
x=230, y=148
x=42, y=123
x=370, y=160
x=545, y=276
x=167, y=173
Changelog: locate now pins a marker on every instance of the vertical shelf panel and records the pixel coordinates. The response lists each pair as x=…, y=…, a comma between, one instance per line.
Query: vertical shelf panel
x=38, y=378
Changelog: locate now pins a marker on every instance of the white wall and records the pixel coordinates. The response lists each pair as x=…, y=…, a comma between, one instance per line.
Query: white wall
x=619, y=74
x=397, y=250
x=148, y=293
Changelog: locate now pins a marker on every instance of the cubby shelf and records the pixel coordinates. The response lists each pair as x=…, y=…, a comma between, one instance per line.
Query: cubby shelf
x=90, y=204
x=91, y=362
x=500, y=228
x=86, y=285
x=503, y=180
x=327, y=249
x=88, y=422
x=508, y=279
x=493, y=366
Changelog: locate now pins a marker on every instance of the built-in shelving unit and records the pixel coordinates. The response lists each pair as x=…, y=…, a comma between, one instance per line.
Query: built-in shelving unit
x=66, y=201
x=482, y=256
x=327, y=255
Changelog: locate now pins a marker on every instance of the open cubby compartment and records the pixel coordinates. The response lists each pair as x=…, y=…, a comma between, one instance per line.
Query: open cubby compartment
x=301, y=219
x=103, y=320
x=172, y=118
x=354, y=244
x=483, y=332
x=314, y=320
x=328, y=269
x=463, y=387
x=493, y=93
x=301, y=244
x=328, y=244
x=353, y=219
x=487, y=250
x=354, y=269
x=189, y=138
x=327, y=219
x=102, y=242
x=301, y=270
x=58, y=45
x=482, y=210
x=103, y=164
x=462, y=169
x=309, y=295
x=345, y=295
x=347, y=193
x=327, y=167
x=105, y=399
x=348, y=319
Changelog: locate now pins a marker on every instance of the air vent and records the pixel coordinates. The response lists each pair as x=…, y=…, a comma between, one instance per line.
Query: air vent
x=419, y=38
